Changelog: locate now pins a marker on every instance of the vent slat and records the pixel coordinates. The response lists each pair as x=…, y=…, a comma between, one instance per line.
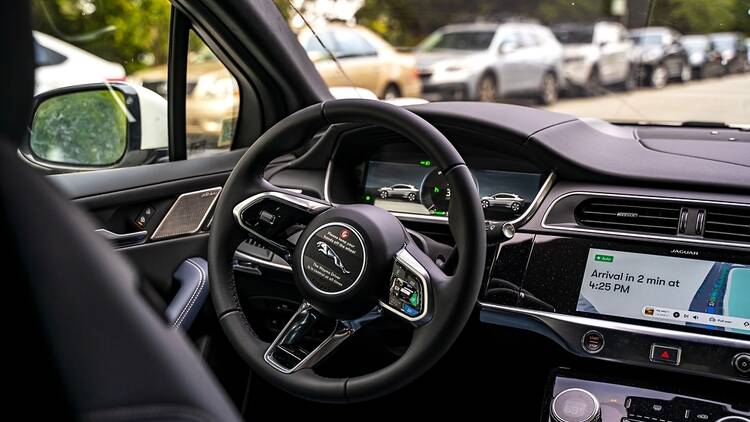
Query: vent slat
x=636, y=216
x=727, y=223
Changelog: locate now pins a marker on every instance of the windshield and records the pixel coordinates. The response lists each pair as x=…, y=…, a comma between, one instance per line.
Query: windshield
x=623, y=61
x=695, y=43
x=575, y=35
x=474, y=40
x=647, y=40
x=725, y=43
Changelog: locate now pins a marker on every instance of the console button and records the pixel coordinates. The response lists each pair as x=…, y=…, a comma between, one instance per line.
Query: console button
x=592, y=342
x=665, y=354
x=575, y=405
x=741, y=363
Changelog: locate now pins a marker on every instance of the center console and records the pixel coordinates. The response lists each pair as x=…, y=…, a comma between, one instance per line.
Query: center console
x=653, y=305
x=577, y=397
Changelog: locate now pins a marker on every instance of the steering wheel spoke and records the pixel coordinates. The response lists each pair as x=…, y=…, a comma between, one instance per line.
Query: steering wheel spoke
x=309, y=337
x=275, y=218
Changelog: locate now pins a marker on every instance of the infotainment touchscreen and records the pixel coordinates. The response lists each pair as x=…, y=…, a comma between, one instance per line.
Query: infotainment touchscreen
x=683, y=291
x=419, y=188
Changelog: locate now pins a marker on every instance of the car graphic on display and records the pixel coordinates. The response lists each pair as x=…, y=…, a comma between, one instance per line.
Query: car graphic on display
x=507, y=200
x=402, y=191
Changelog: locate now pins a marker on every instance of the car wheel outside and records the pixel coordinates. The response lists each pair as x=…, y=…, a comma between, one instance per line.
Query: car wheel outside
x=391, y=91
x=384, y=195
x=411, y=197
x=631, y=80
x=659, y=76
x=686, y=74
x=593, y=86
x=485, y=203
x=487, y=88
x=550, y=90
x=515, y=207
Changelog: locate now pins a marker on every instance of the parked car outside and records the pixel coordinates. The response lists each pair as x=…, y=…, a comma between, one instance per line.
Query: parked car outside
x=596, y=55
x=488, y=61
x=211, y=96
x=401, y=191
x=659, y=56
x=504, y=200
x=368, y=61
x=705, y=59
x=60, y=64
x=733, y=50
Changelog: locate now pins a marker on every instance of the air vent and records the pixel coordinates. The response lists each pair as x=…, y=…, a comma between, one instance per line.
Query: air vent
x=725, y=223
x=629, y=215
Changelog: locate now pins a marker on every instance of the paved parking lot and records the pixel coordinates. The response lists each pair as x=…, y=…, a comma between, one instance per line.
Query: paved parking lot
x=724, y=99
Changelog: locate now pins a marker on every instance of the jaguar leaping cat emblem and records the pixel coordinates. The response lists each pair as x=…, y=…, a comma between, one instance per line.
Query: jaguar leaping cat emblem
x=328, y=251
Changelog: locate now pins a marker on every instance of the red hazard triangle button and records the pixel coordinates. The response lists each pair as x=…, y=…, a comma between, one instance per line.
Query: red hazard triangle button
x=665, y=354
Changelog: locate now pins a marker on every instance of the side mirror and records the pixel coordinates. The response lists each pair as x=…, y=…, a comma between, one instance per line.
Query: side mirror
x=508, y=47
x=94, y=126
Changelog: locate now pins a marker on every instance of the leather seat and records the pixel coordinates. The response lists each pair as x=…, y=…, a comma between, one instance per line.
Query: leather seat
x=86, y=345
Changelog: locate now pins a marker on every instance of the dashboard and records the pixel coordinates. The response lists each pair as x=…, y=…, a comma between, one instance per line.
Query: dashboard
x=620, y=247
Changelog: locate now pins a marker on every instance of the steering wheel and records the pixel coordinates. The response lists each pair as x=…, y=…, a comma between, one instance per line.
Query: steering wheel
x=351, y=263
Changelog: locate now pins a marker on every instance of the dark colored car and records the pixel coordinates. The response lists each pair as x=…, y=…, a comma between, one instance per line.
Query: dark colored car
x=733, y=51
x=705, y=59
x=659, y=56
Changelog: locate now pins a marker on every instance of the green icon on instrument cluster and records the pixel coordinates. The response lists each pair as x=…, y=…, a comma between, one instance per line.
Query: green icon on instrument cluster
x=414, y=299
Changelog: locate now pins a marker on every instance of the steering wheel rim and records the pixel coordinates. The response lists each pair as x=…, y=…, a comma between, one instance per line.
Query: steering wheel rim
x=453, y=297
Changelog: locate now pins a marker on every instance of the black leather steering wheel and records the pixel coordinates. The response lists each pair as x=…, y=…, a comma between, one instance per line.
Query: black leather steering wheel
x=351, y=264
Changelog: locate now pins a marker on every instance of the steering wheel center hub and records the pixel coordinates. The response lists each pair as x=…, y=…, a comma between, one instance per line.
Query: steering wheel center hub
x=344, y=259
x=333, y=258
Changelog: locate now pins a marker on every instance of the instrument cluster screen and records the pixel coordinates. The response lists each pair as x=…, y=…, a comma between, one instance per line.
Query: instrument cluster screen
x=420, y=188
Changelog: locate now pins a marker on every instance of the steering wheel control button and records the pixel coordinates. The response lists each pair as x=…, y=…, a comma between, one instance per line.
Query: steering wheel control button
x=405, y=293
x=575, y=405
x=741, y=363
x=665, y=354
x=592, y=342
x=333, y=258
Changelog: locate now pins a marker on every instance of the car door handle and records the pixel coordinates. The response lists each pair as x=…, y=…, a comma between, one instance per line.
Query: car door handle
x=192, y=277
x=124, y=239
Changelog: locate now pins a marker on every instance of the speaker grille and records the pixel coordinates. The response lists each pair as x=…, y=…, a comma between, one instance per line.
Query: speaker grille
x=187, y=215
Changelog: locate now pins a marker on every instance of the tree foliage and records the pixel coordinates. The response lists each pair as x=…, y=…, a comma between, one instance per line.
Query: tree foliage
x=140, y=37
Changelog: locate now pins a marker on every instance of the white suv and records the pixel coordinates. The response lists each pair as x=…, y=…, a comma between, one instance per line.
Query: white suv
x=489, y=61
x=596, y=55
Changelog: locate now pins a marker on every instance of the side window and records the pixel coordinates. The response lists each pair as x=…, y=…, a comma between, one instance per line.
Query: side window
x=212, y=101
x=352, y=44
x=121, y=118
x=45, y=56
x=112, y=121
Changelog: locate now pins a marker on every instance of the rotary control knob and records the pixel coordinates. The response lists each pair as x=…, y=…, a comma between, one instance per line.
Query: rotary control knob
x=575, y=405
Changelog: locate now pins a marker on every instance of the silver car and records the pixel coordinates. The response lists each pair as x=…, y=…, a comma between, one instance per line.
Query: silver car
x=596, y=55
x=488, y=61
x=505, y=200
x=401, y=191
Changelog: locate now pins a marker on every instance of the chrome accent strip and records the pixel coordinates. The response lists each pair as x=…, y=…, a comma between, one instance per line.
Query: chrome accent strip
x=639, y=235
x=361, y=270
x=625, y=327
x=537, y=202
x=306, y=204
x=121, y=240
x=406, y=259
x=341, y=332
x=202, y=220
x=262, y=262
